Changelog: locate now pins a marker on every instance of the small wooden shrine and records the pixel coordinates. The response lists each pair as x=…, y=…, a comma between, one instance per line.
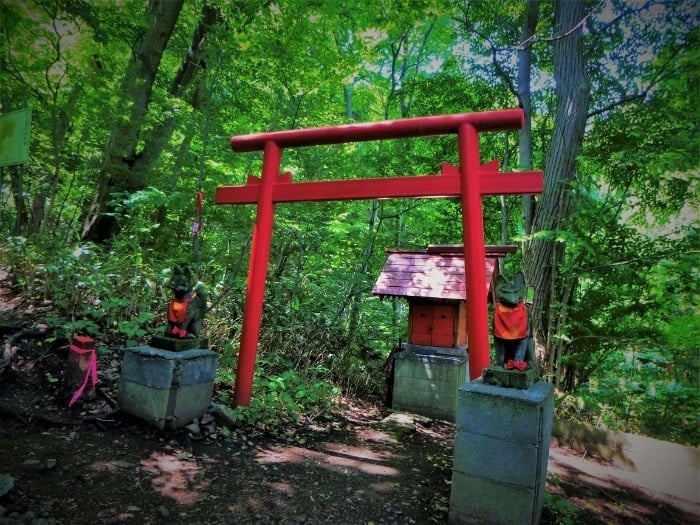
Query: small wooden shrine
x=433, y=283
x=432, y=364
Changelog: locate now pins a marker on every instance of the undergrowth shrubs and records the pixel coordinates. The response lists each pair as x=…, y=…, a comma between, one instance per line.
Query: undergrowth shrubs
x=85, y=289
x=557, y=509
x=285, y=398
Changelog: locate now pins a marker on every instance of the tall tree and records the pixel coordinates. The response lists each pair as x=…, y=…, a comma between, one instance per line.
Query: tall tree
x=572, y=89
x=525, y=100
x=121, y=150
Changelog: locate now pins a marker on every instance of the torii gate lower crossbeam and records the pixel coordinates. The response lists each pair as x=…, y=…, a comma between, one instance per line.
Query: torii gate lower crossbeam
x=470, y=181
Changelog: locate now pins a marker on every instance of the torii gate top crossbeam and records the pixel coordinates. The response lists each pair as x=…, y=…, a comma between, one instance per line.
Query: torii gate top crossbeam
x=470, y=180
x=502, y=120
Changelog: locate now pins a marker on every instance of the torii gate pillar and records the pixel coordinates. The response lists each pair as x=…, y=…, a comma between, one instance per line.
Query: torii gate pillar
x=471, y=182
x=474, y=251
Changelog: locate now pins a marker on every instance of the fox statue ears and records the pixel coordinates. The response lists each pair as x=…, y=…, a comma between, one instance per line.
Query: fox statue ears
x=184, y=270
x=518, y=280
x=511, y=291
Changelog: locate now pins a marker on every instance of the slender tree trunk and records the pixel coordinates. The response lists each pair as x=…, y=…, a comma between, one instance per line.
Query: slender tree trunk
x=19, y=197
x=525, y=99
x=355, y=298
x=545, y=254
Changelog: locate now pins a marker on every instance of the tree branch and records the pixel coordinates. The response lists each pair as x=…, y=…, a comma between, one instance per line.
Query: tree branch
x=533, y=39
x=641, y=95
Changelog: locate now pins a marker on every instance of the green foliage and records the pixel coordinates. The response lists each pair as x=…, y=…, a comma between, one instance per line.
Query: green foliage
x=286, y=398
x=557, y=509
x=89, y=291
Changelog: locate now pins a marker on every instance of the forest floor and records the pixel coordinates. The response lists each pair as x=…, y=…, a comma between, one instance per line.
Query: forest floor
x=91, y=464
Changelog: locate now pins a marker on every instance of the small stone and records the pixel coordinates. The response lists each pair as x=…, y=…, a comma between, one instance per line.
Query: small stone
x=50, y=463
x=193, y=427
x=206, y=419
x=163, y=511
x=6, y=484
x=226, y=415
x=123, y=464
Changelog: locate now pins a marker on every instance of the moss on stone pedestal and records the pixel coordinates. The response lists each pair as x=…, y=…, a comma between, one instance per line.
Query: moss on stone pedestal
x=498, y=376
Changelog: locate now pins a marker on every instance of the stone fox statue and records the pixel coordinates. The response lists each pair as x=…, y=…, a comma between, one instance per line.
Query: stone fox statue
x=511, y=333
x=187, y=308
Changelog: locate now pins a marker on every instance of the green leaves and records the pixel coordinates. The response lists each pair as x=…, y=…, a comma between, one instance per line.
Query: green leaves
x=283, y=398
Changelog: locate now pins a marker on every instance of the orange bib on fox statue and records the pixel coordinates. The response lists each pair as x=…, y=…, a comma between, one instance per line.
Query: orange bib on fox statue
x=511, y=334
x=510, y=322
x=187, y=308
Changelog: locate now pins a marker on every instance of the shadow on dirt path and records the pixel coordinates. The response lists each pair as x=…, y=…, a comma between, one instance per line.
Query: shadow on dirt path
x=336, y=470
x=92, y=465
x=344, y=468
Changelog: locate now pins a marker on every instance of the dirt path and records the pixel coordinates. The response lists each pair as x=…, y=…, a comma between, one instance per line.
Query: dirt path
x=637, y=493
x=345, y=466
x=347, y=469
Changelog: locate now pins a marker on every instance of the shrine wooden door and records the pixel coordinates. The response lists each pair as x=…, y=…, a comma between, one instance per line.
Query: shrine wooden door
x=433, y=325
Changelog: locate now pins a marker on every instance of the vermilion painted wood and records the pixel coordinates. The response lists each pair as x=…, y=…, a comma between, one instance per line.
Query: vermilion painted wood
x=445, y=185
x=501, y=120
x=257, y=273
x=474, y=252
x=474, y=180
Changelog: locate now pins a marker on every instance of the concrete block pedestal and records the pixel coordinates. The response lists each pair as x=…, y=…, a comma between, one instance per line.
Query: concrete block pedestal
x=427, y=384
x=166, y=389
x=500, y=454
x=176, y=344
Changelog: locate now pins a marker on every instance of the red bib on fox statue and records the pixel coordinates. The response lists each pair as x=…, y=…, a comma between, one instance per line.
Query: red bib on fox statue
x=511, y=334
x=187, y=308
x=510, y=322
x=177, y=314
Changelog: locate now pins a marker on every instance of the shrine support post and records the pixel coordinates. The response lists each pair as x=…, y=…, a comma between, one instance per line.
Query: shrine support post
x=257, y=273
x=474, y=254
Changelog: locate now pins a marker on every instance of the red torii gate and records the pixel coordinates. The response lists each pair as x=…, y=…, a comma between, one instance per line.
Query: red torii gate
x=470, y=181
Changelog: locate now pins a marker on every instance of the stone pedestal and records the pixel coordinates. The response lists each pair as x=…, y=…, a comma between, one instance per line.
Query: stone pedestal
x=499, y=376
x=167, y=389
x=500, y=454
x=175, y=344
x=427, y=384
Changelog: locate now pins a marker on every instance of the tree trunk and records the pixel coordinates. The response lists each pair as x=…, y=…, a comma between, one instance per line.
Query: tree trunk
x=135, y=93
x=545, y=253
x=354, y=298
x=525, y=100
x=18, y=195
x=193, y=63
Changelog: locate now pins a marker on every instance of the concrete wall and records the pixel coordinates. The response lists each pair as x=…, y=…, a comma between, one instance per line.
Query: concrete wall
x=661, y=467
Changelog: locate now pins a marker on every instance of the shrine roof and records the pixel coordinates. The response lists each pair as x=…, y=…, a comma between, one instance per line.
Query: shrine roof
x=434, y=273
